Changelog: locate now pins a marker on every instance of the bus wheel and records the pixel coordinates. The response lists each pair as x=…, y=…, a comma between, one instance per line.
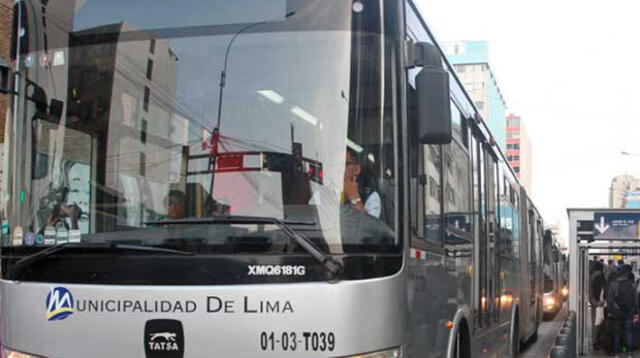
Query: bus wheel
x=515, y=338
x=462, y=347
x=534, y=336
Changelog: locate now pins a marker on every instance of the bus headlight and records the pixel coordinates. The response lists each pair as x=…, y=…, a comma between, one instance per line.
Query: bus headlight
x=549, y=301
x=390, y=353
x=565, y=291
x=8, y=353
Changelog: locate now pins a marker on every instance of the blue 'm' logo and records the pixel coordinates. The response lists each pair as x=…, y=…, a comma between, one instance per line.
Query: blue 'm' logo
x=59, y=304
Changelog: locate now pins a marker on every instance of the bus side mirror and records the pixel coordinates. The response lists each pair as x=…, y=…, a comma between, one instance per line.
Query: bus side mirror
x=5, y=77
x=432, y=92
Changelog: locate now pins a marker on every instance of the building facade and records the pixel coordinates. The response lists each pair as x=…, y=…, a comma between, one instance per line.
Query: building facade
x=519, y=151
x=624, y=192
x=471, y=61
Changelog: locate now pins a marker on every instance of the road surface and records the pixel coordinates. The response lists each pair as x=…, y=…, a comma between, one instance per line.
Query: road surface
x=546, y=334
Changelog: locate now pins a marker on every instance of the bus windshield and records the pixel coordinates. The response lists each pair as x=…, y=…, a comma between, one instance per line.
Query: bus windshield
x=143, y=121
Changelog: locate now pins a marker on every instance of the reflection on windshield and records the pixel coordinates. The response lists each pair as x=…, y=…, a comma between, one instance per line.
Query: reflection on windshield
x=283, y=116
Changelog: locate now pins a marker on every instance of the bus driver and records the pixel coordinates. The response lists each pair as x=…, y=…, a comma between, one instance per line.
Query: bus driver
x=358, y=188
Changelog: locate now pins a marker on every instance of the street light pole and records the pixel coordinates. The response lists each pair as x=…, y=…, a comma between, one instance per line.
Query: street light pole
x=215, y=137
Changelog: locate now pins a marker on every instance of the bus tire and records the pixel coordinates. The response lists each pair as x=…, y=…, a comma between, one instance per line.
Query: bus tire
x=462, y=347
x=534, y=336
x=514, y=341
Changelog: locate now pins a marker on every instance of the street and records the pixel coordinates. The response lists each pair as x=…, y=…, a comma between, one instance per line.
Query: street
x=546, y=335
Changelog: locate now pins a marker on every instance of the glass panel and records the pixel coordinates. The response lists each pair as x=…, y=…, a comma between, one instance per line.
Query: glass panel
x=456, y=123
x=433, y=193
x=90, y=14
x=457, y=194
x=193, y=110
x=62, y=176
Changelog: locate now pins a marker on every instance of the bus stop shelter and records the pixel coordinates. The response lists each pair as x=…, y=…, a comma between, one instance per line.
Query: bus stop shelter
x=605, y=233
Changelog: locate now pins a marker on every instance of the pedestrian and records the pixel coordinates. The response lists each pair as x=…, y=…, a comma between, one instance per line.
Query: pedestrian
x=610, y=267
x=611, y=277
x=621, y=303
x=596, y=290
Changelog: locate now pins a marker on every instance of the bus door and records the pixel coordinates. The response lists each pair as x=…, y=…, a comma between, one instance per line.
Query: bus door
x=540, y=268
x=479, y=262
x=532, y=263
x=493, y=264
x=486, y=273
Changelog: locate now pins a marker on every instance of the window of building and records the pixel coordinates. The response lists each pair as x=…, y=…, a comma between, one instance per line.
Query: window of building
x=516, y=169
x=152, y=46
x=147, y=97
x=143, y=163
x=480, y=105
x=149, y=69
x=516, y=146
x=143, y=131
x=514, y=135
x=455, y=48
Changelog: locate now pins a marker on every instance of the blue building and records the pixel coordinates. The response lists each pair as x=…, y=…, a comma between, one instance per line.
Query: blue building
x=471, y=61
x=632, y=199
x=625, y=192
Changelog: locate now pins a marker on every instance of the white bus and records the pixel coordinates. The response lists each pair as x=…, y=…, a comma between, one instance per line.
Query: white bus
x=274, y=178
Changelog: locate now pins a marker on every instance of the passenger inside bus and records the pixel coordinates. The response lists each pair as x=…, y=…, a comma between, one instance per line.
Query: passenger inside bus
x=72, y=212
x=176, y=206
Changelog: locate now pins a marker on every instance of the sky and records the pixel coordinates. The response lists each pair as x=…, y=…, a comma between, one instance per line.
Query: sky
x=571, y=69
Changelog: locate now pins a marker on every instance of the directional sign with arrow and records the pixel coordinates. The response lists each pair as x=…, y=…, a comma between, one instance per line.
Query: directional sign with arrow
x=601, y=227
x=618, y=226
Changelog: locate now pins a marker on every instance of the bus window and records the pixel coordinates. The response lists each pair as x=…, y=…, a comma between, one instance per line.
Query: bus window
x=458, y=125
x=433, y=193
x=456, y=194
x=515, y=223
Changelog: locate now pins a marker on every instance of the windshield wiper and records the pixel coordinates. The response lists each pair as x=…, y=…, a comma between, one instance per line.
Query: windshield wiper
x=24, y=263
x=333, y=267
